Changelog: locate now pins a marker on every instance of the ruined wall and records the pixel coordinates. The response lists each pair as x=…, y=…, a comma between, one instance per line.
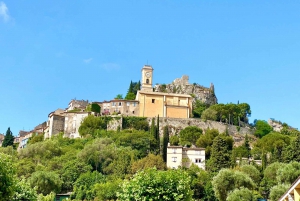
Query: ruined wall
x=182, y=86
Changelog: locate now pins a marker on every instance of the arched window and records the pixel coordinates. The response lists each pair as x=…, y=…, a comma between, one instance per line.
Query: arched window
x=147, y=81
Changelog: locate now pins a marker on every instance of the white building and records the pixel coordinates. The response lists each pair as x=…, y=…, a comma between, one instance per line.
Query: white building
x=182, y=156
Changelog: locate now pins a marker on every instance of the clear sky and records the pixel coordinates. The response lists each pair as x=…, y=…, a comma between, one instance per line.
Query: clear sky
x=53, y=51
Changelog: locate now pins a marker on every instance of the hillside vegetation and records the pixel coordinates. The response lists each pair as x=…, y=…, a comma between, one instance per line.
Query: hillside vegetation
x=130, y=164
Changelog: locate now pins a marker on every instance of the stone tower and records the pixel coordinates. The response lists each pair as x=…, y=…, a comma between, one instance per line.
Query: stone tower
x=147, y=78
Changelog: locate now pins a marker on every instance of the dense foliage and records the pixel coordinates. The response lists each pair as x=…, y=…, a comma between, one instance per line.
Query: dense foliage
x=130, y=164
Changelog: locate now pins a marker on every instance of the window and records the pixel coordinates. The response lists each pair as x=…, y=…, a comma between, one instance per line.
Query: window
x=174, y=151
x=174, y=159
x=120, y=104
x=198, y=152
x=132, y=112
x=147, y=81
x=153, y=100
x=128, y=103
x=134, y=104
x=197, y=160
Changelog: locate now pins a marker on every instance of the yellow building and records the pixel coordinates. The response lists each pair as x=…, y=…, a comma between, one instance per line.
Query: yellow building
x=153, y=104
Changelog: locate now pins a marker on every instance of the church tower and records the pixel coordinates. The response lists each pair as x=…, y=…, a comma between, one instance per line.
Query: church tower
x=147, y=78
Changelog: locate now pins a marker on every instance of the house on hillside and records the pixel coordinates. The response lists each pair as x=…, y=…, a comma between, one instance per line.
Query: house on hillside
x=72, y=123
x=78, y=105
x=120, y=106
x=185, y=157
x=55, y=123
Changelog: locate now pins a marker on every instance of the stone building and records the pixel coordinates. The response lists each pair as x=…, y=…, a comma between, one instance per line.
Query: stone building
x=77, y=105
x=1, y=139
x=120, y=106
x=152, y=104
x=56, y=123
x=185, y=157
x=72, y=123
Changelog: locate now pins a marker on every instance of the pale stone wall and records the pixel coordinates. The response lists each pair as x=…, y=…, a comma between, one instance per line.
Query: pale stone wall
x=72, y=123
x=176, y=125
x=174, y=156
x=115, y=123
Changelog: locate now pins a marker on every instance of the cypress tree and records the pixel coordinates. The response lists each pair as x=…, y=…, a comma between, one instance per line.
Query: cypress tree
x=153, y=133
x=8, y=139
x=247, y=145
x=157, y=135
x=220, y=155
x=165, y=143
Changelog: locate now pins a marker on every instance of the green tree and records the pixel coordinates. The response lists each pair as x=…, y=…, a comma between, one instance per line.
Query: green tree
x=154, y=185
x=252, y=172
x=198, y=108
x=108, y=190
x=190, y=135
x=8, y=138
x=24, y=191
x=165, y=143
x=262, y=128
x=242, y=194
x=83, y=187
x=292, y=152
x=220, y=154
x=119, y=97
x=206, y=141
x=7, y=177
x=288, y=173
x=91, y=125
x=45, y=182
x=277, y=191
x=149, y=161
x=227, y=180
x=209, y=114
x=174, y=140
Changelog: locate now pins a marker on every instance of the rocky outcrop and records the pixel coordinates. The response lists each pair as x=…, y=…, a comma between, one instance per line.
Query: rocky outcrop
x=182, y=86
x=276, y=125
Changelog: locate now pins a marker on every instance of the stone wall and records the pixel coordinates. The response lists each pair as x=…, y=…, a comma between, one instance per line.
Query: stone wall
x=182, y=86
x=176, y=125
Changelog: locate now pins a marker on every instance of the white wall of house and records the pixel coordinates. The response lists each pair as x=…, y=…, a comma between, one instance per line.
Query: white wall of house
x=182, y=156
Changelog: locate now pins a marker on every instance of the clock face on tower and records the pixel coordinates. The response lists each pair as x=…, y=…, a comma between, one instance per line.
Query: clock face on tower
x=147, y=74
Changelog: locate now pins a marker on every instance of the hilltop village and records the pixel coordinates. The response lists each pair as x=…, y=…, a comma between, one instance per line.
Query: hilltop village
x=176, y=132
x=172, y=101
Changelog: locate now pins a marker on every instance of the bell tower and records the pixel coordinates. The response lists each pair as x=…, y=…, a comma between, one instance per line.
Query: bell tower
x=147, y=78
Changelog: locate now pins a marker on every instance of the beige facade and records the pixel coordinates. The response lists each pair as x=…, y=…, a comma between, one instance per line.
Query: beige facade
x=185, y=157
x=72, y=123
x=123, y=107
x=152, y=104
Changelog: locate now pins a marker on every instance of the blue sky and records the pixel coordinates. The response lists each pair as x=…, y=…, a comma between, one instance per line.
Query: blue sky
x=54, y=51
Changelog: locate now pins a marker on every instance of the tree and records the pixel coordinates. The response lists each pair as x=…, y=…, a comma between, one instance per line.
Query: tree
x=91, y=124
x=7, y=177
x=157, y=137
x=277, y=191
x=206, y=141
x=108, y=190
x=262, y=128
x=227, y=180
x=209, y=114
x=119, y=97
x=83, y=187
x=155, y=185
x=131, y=92
x=45, y=182
x=149, y=161
x=174, y=140
x=243, y=194
x=24, y=191
x=288, y=173
x=165, y=143
x=220, y=155
x=292, y=153
x=8, y=139
x=190, y=135
x=252, y=172
x=198, y=108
